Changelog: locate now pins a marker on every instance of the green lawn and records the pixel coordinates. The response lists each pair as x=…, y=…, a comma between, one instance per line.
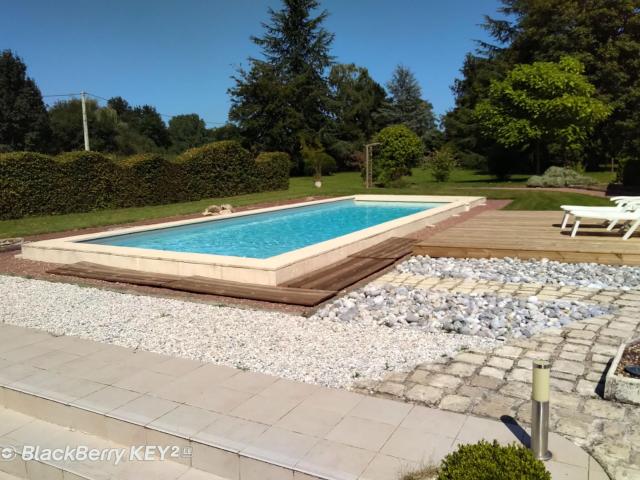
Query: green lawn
x=463, y=182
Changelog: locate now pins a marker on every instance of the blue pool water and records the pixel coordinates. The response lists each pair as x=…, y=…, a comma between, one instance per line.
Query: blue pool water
x=268, y=234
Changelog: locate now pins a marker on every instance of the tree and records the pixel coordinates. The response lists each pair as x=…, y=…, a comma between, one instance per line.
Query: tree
x=187, y=131
x=603, y=34
x=407, y=107
x=67, y=132
x=544, y=104
x=283, y=97
x=354, y=99
x=400, y=149
x=142, y=121
x=24, y=124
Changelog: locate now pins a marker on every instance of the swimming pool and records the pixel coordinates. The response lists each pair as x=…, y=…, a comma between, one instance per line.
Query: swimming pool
x=267, y=246
x=269, y=234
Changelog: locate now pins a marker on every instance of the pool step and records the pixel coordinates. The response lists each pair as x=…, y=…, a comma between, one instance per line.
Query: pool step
x=18, y=430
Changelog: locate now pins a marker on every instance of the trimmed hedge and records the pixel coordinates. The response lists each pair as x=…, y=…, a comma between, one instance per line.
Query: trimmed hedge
x=35, y=184
x=153, y=180
x=30, y=184
x=629, y=172
x=272, y=168
x=92, y=181
x=560, y=177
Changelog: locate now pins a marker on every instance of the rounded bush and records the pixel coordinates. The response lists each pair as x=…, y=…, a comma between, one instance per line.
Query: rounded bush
x=218, y=169
x=535, y=181
x=93, y=181
x=152, y=179
x=30, y=184
x=400, y=149
x=491, y=461
x=272, y=170
x=328, y=164
x=629, y=172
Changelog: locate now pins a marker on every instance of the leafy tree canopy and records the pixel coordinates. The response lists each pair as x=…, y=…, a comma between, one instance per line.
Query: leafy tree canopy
x=187, y=131
x=24, y=124
x=407, y=107
x=542, y=103
x=399, y=150
x=354, y=99
x=283, y=97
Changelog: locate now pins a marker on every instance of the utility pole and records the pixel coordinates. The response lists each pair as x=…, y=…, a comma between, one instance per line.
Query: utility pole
x=85, y=125
x=368, y=164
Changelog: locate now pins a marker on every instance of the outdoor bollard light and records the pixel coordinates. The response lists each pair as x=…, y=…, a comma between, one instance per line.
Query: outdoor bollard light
x=540, y=410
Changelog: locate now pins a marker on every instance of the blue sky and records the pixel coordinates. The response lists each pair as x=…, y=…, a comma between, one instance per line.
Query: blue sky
x=179, y=55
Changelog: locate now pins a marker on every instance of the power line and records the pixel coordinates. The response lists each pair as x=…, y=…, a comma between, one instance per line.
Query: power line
x=165, y=115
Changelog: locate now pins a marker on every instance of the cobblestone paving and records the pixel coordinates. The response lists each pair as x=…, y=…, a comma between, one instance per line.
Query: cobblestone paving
x=497, y=383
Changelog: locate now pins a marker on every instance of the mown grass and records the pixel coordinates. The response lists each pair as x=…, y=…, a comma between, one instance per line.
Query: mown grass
x=462, y=182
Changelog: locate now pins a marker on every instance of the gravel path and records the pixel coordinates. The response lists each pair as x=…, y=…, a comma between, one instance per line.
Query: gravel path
x=312, y=350
x=511, y=270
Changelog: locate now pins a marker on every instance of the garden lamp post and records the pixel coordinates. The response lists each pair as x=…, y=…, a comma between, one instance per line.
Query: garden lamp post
x=540, y=409
x=368, y=164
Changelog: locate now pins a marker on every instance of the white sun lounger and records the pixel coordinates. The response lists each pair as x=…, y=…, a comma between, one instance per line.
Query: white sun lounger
x=623, y=204
x=626, y=216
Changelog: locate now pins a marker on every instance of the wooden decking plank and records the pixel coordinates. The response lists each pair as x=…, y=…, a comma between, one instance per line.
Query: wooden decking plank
x=395, y=247
x=292, y=296
x=531, y=235
x=265, y=293
x=341, y=274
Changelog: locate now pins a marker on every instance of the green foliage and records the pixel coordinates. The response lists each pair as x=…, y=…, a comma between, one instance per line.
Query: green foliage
x=66, y=126
x=217, y=169
x=442, y=162
x=560, y=177
x=400, y=149
x=317, y=162
x=629, y=172
x=24, y=124
x=407, y=107
x=354, y=99
x=491, y=461
x=29, y=185
x=152, y=180
x=283, y=97
x=35, y=184
x=273, y=170
x=542, y=104
x=187, y=131
x=92, y=181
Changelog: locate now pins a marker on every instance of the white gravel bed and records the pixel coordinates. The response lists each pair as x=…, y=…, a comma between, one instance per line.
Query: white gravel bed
x=485, y=315
x=513, y=270
x=312, y=350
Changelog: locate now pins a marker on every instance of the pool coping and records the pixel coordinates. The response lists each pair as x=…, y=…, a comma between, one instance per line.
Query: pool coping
x=270, y=271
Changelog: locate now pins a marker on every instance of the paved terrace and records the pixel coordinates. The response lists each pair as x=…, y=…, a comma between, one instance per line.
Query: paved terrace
x=498, y=383
x=239, y=424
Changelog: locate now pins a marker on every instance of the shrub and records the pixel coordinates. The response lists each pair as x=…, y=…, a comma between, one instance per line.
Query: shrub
x=29, y=184
x=560, y=177
x=152, y=180
x=629, y=172
x=91, y=181
x=491, y=461
x=400, y=149
x=272, y=170
x=441, y=163
x=218, y=169
x=322, y=160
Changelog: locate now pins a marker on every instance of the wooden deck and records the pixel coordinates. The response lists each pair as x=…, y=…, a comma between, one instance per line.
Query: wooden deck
x=527, y=235
x=308, y=290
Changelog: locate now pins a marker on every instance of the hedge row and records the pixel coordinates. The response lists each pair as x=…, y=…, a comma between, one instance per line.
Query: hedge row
x=35, y=184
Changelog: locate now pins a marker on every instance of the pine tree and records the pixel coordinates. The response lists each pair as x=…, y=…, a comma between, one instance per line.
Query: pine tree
x=282, y=98
x=24, y=124
x=407, y=107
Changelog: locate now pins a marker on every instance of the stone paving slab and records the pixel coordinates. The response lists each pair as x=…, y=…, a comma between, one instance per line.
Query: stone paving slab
x=497, y=383
x=279, y=425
